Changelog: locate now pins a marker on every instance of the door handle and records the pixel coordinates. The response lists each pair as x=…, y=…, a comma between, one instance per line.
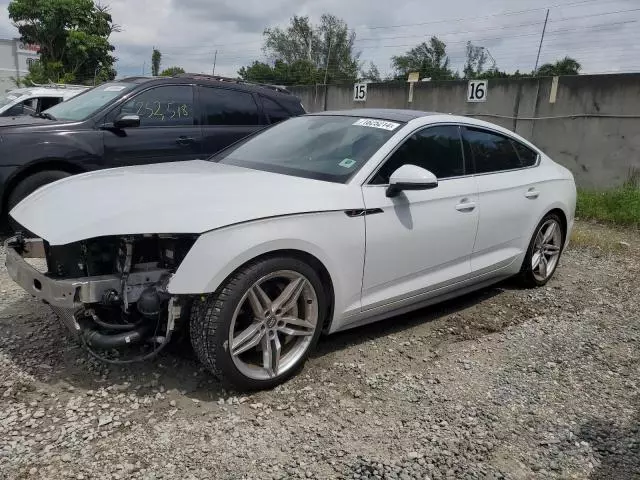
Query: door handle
x=185, y=140
x=532, y=194
x=465, y=206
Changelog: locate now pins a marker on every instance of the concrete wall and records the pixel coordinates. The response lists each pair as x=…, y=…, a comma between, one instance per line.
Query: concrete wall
x=593, y=128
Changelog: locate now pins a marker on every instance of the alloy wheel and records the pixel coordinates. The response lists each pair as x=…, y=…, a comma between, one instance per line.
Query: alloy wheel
x=546, y=250
x=273, y=325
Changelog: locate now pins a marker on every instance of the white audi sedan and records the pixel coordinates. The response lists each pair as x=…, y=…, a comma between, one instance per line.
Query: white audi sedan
x=318, y=224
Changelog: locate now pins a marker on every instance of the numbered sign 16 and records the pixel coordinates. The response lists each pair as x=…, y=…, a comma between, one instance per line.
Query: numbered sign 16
x=477, y=90
x=360, y=92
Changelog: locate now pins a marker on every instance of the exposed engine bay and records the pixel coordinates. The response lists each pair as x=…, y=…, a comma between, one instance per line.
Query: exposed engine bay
x=119, y=289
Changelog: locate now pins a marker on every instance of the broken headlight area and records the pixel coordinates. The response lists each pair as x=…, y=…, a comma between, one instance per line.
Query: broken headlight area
x=124, y=303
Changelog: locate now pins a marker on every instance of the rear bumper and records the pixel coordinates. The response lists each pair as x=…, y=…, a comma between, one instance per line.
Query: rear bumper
x=69, y=293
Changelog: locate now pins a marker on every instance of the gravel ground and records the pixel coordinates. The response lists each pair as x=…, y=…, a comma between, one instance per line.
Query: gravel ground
x=505, y=383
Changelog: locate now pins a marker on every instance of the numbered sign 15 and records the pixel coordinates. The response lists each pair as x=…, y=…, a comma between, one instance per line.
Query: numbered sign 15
x=360, y=92
x=477, y=91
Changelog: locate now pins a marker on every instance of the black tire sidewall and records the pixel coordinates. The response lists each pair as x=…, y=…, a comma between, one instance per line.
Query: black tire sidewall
x=235, y=288
x=527, y=271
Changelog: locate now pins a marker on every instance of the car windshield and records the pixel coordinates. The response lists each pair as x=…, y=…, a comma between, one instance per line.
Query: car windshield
x=322, y=147
x=87, y=103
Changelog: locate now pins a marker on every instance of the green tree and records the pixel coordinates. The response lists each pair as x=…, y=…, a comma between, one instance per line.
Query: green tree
x=303, y=53
x=476, y=60
x=429, y=59
x=372, y=74
x=73, y=36
x=298, y=72
x=171, y=71
x=566, y=66
x=156, y=58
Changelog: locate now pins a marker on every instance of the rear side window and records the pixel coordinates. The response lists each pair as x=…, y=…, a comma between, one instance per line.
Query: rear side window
x=491, y=151
x=221, y=106
x=48, y=102
x=274, y=111
x=528, y=157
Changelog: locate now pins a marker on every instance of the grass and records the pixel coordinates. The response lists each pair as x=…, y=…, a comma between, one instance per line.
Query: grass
x=619, y=206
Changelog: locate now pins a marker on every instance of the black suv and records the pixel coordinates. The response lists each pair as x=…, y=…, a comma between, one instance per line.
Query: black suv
x=134, y=121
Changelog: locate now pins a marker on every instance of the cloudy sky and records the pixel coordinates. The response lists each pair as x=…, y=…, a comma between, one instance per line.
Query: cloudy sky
x=604, y=35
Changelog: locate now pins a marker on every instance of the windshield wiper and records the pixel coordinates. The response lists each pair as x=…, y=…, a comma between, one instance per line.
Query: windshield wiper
x=46, y=115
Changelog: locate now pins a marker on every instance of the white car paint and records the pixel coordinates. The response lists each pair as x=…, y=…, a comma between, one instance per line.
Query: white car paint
x=179, y=197
x=19, y=95
x=424, y=246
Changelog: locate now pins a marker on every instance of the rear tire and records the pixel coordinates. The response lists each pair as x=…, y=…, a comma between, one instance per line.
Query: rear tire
x=543, y=254
x=26, y=187
x=248, y=334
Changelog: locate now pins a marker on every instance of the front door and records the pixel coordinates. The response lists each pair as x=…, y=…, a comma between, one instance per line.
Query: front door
x=227, y=116
x=167, y=131
x=419, y=243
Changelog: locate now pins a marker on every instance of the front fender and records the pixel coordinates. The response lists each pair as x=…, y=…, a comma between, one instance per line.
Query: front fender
x=335, y=239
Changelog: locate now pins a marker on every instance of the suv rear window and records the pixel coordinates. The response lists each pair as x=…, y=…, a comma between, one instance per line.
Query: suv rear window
x=274, y=111
x=221, y=106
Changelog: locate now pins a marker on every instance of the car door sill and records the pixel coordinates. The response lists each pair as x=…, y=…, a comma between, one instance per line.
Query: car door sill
x=423, y=299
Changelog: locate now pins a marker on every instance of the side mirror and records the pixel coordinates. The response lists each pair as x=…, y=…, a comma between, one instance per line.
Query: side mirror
x=127, y=121
x=410, y=177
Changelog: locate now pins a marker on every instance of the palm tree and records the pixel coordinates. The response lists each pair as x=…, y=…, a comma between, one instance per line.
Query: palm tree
x=566, y=66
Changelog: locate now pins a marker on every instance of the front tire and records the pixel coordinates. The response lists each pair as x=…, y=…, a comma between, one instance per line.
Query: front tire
x=543, y=254
x=259, y=327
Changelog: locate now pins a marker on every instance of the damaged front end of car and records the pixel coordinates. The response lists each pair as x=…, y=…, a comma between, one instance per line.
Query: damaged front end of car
x=111, y=292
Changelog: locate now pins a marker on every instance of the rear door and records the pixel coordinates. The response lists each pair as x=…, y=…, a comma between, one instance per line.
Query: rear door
x=509, y=189
x=227, y=116
x=168, y=130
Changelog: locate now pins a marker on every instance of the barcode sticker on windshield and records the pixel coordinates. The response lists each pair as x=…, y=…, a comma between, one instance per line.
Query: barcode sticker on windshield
x=114, y=88
x=369, y=122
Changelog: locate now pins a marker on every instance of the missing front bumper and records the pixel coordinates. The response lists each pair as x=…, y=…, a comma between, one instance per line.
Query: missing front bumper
x=69, y=293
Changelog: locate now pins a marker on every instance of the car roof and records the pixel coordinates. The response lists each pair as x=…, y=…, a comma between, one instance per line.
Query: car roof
x=273, y=91
x=391, y=114
x=47, y=90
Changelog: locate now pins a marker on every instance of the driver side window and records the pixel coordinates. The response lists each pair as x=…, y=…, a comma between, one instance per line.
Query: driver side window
x=437, y=149
x=170, y=105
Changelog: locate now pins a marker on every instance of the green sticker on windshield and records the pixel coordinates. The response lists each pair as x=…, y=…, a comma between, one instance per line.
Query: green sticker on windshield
x=347, y=163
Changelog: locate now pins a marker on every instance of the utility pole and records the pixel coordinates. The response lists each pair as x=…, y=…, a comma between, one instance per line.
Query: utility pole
x=326, y=69
x=144, y=67
x=544, y=29
x=215, y=57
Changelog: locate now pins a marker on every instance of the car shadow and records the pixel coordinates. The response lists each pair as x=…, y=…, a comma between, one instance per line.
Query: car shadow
x=38, y=342
x=390, y=326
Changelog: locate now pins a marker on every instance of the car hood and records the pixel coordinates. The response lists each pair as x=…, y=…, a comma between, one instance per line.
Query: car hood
x=181, y=197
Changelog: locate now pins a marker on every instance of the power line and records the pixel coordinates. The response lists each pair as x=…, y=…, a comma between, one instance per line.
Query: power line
x=508, y=13
x=217, y=45
x=504, y=27
x=229, y=54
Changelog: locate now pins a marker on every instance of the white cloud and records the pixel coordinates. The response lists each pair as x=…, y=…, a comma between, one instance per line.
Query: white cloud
x=188, y=32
